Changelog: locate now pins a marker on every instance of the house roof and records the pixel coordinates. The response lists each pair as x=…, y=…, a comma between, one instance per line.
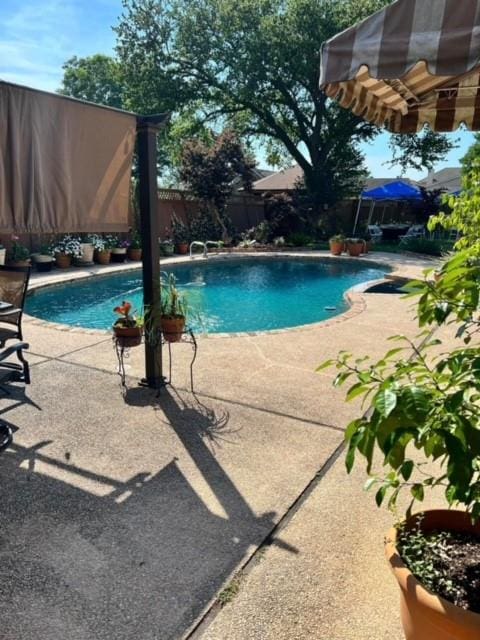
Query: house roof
x=286, y=180
x=449, y=179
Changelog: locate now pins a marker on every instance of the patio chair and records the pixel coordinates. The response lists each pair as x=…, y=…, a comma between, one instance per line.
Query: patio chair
x=13, y=371
x=13, y=290
x=415, y=231
x=5, y=436
x=375, y=232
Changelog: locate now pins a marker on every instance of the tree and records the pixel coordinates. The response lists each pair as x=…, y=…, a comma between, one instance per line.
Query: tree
x=209, y=171
x=97, y=79
x=472, y=157
x=254, y=65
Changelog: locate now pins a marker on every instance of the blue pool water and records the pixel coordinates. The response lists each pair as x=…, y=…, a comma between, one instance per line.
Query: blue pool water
x=233, y=295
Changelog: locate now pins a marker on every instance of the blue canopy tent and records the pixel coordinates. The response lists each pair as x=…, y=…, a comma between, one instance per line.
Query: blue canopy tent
x=391, y=192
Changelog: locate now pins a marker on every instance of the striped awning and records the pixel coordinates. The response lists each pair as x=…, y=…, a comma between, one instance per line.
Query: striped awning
x=413, y=63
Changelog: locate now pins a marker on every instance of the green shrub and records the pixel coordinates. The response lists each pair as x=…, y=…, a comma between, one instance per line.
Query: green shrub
x=426, y=246
x=299, y=239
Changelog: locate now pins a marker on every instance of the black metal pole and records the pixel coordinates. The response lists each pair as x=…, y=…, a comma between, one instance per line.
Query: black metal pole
x=147, y=129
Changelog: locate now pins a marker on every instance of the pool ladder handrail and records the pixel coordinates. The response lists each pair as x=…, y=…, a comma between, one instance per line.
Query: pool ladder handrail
x=205, y=245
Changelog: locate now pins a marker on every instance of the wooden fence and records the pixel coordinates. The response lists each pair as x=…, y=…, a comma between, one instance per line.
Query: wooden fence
x=245, y=210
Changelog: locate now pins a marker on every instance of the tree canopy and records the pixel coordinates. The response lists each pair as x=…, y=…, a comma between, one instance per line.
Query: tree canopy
x=255, y=65
x=97, y=78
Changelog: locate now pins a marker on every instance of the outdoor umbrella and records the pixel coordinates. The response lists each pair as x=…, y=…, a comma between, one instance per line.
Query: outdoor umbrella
x=413, y=63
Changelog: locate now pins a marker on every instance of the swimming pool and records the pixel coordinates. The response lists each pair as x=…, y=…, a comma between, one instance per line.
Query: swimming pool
x=229, y=296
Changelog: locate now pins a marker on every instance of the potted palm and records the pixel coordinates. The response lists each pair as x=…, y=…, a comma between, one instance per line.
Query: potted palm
x=135, y=247
x=19, y=255
x=173, y=310
x=181, y=235
x=166, y=247
x=423, y=418
x=128, y=328
x=337, y=244
x=67, y=248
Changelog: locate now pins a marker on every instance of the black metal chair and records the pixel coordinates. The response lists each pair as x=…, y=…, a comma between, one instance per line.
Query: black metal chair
x=11, y=372
x=5, y=436
x=13, y=290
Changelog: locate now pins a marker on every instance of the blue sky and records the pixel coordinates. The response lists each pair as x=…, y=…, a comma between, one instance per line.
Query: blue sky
x=37, y=36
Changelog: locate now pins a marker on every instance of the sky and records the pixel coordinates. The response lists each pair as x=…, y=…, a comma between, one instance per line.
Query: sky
x=38, y=36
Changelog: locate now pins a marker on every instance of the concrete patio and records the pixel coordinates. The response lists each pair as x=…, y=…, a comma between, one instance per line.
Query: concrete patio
x=124, y=513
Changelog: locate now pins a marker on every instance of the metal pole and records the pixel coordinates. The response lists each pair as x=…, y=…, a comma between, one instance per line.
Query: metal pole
x=147, y=129
x=357, y=216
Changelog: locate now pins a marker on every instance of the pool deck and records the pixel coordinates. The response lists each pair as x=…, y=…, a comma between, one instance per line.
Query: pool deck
x=125, y=514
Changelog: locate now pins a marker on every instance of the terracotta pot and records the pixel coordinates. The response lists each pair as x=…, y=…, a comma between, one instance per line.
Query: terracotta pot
x=355, y=249
x=426, y=616
x=172, y=328
x=337, y=248
x=128, y=336
x=63, y=260
x=135, y=255
x=182, y=248
x=102, y=257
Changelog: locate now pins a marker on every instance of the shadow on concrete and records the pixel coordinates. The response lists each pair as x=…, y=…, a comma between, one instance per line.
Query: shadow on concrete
x=138, y=559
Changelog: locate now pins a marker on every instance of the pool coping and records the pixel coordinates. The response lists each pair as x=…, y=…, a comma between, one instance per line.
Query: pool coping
x=353, y=296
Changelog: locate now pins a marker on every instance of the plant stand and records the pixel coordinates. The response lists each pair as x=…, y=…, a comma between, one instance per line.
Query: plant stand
x=122, y=350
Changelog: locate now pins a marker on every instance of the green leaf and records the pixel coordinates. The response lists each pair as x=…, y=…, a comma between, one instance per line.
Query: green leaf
x=407, y=469
x=380, y=496
x=417, y=492
x=357, y=390
x=325, y=365
x=385, y=401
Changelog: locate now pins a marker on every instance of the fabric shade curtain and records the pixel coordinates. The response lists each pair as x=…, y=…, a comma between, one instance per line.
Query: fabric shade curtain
x=413, y=63
x=65, y=166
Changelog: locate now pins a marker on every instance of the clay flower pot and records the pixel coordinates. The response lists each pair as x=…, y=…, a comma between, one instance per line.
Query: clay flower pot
x=355, y=249
x=87, y=253
x=135, y=255
x=337, y=248
x=426, y=616
x=128, y=336
x=182, y=248
x=102, y=257
x=172, y=328
x=63, y=260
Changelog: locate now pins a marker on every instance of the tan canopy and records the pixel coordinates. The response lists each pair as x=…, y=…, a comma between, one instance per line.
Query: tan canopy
x=413, y=63
x=64, y=165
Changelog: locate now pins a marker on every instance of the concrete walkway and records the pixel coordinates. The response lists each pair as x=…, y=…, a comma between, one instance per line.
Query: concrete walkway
x=123, y=515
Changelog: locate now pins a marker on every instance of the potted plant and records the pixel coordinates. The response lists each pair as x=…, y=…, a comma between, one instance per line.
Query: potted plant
x=135, y=247
x=128, y=328
x=422, y=417
x=65, y=250
x=181, y=235
x=87, y=249
x=337, y=244
x=173, y=310
x=119, y=250
x=167, y=247
x=3, y=254
x=43, y=259
x=19, y=255
x=355, y=247
x=102, y=248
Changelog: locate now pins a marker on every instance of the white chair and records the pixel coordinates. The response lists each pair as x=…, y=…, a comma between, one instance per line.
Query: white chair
x=415, y=231
x=375, y=232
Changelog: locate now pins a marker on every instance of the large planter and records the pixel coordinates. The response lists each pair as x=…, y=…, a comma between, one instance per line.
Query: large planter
x=19, y=263
x=135, y=255
x=63, y=260
x=128, y=336
x=182, y=248
x=119, y=254
x=172, y=328
x=43, y=263
x=166, y=249
x=3, y=254
x=337, y=248
x=355, y=249
x=87, y=253
x=426, y=616
x=102, y=257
